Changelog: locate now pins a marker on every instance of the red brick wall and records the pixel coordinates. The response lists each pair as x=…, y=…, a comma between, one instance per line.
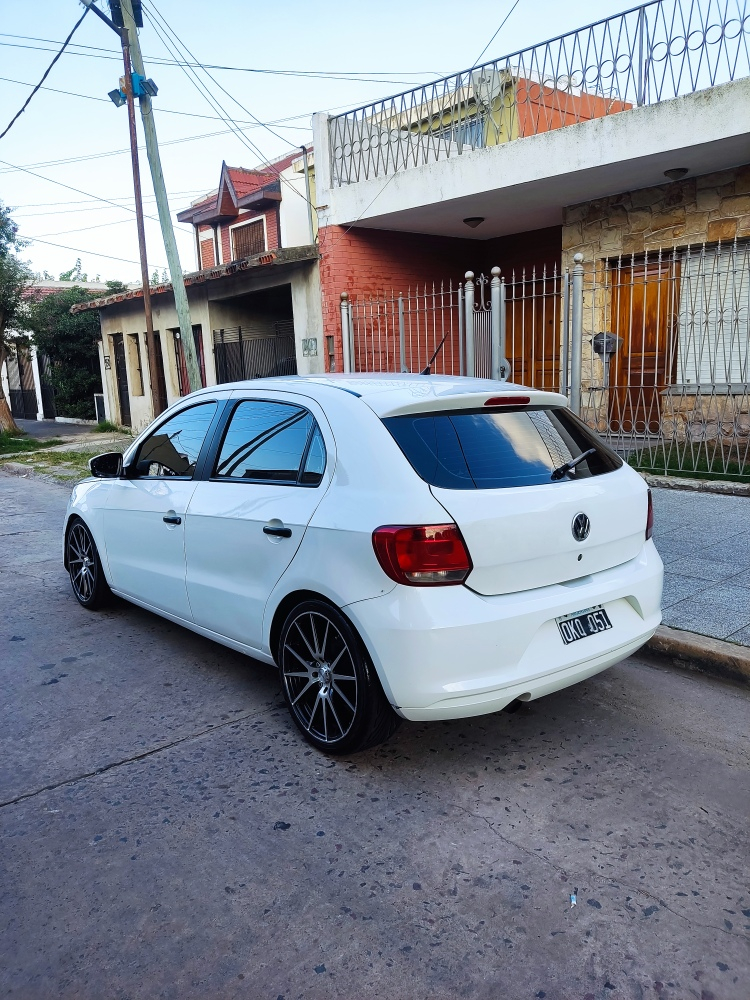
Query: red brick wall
x=366, y=262
x=207, y=253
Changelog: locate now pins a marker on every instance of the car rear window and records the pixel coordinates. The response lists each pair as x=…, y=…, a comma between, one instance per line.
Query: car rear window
x=493, y=449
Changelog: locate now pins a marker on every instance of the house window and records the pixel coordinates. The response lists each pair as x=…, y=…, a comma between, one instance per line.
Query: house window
x=248, y=240
x=714, y=310
x=182, y=374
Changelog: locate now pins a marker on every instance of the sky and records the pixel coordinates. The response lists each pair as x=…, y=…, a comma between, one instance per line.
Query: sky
x=74, y=146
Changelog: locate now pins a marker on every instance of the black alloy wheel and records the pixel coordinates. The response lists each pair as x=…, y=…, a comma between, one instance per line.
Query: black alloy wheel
x=330, y=686
x=84, y=567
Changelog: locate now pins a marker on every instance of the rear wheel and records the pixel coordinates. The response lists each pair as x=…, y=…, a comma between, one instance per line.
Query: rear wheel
x=330, y=686
x=85, y=568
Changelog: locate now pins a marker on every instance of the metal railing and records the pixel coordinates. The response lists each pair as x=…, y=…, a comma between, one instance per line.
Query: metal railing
x=653, y=350
x=655, y=52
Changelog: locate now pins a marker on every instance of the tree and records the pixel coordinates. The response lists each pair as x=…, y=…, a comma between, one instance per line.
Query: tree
x=75, y=273
x=15, y=278
x=70, y=343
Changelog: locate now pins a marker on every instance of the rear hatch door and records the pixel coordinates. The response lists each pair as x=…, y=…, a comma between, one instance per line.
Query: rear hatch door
x=492, y=470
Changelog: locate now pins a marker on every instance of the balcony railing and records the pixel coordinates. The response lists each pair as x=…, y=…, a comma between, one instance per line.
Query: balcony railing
x=649, y=54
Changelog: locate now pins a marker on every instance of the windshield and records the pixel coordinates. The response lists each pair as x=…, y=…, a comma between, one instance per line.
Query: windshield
x=495, y=449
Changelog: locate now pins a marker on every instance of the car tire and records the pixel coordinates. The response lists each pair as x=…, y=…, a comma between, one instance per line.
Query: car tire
x=85, y=567
x=330, y=685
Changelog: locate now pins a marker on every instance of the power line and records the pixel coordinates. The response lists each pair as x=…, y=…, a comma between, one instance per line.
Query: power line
x=213, y=101
x=114, y=152
x=69, y=187
x=91, y=253
x=502, y=23
x=170, y=111
x=354, y=76
x=44, y=77
x=155, y=9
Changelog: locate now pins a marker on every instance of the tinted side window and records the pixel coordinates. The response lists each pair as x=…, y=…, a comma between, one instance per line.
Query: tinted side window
x=173, y=449
x=268, y=441
x=465, y=450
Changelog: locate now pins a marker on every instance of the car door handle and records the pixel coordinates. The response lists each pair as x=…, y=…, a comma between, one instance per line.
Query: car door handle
x=269, y=529
x=172, y=519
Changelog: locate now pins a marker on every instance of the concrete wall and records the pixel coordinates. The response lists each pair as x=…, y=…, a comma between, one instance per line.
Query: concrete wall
x=526, y=183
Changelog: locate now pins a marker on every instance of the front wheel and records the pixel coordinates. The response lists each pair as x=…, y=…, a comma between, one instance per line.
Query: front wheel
x=85, y=568
x=330, y=686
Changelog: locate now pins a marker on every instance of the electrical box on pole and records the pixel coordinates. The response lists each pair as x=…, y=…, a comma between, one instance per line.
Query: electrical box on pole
x=130, y=11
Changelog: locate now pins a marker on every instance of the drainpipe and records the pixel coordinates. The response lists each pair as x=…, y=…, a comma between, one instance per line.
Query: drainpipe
x=307, y=194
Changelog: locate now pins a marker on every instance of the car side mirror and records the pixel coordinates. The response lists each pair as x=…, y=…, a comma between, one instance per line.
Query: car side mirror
x=108, y=466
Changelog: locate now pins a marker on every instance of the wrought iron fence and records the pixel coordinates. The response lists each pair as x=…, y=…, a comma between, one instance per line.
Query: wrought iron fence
x=666, y=358
x=653, y=350
x=403, y=332
x=660, y=50
x=241, y=355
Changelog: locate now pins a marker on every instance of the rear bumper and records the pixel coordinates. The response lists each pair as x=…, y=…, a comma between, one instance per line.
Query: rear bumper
x=449, y=653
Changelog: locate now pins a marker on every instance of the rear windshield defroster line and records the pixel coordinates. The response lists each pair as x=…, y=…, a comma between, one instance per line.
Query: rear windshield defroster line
x=496, y=449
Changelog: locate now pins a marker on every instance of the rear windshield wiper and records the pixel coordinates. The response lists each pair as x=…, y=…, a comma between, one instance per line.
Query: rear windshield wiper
x=563, y=470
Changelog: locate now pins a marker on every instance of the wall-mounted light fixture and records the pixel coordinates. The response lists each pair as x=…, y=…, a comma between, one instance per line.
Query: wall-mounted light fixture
x=676, y=173
x=473, y=221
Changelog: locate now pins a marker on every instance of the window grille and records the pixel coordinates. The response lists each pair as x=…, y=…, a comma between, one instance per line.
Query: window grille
x=249, y=240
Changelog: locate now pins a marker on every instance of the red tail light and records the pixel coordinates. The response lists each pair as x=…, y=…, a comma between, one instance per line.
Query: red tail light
x=650, y=517
x=430, y=555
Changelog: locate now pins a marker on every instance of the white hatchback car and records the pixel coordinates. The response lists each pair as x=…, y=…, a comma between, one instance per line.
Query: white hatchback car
x=419, y=547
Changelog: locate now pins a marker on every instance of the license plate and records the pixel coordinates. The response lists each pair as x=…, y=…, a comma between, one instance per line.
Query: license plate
x=583, y=623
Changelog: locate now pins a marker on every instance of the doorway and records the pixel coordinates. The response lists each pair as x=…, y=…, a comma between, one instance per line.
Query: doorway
x=121, y=375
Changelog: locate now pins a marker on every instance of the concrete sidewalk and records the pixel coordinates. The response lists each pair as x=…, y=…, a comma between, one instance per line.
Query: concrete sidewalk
x=704, y=540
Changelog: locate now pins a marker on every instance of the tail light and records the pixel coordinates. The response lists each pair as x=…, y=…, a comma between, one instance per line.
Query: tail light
x=430, y=555
x=650, y=517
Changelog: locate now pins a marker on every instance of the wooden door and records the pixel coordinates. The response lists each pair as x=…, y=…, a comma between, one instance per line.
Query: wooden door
x=121, y=374
x=644, y=308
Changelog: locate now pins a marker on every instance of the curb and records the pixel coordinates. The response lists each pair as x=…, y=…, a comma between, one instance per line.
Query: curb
x=690, y=651
x=722, y=487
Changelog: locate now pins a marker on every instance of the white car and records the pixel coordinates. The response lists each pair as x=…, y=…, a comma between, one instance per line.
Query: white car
x=418, y=547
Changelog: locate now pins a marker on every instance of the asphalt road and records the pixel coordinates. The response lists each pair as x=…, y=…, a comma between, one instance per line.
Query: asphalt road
x=165, y=832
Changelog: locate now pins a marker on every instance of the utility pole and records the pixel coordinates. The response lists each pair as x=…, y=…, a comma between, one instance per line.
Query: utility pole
x=170, y=244
x=157, y=403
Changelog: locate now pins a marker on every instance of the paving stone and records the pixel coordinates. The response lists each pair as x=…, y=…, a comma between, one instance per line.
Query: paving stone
x=703, y=568
x=718, y=611
x=679, y=588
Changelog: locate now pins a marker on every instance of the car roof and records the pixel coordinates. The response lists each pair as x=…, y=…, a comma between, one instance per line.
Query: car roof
x=390, y=393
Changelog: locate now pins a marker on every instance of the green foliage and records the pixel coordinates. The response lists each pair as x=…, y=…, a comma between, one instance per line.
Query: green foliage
x=69, y=341
x=114, y=287
x=692, y=463
x=15, y=275
x=75, y=273
x=105, y=427
x=12, y=442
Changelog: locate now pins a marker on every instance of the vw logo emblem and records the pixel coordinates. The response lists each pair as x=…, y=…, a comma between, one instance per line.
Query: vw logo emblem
x=581, y=527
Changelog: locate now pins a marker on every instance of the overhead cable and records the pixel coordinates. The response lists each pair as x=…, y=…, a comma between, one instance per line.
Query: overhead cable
x=354, y=76
x=502, y=23
x=25, y=105
x=69, y=187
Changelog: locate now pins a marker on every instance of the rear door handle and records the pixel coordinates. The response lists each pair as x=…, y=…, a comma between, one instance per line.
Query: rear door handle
x=172, y=519
x=279, y=532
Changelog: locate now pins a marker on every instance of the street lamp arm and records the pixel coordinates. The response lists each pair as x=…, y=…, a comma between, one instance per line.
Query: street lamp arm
x=92, y=6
